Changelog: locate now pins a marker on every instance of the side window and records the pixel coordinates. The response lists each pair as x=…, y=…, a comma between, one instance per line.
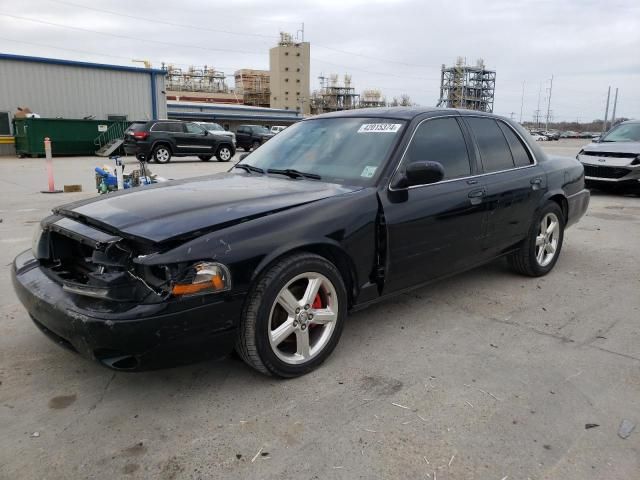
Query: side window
x=175, y=127
x=521, y=157
x=494, y=150
x=441, y=140
x=193, y=128
x=161, y=127
x=241, y=130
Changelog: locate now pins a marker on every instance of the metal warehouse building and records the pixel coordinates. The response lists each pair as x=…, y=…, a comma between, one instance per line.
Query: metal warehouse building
x=231, y=116
x=68, y=89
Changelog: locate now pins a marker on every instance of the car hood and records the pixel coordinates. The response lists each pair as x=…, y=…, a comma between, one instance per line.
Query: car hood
x=179, y=208
x=615, y=147
x=614, y=154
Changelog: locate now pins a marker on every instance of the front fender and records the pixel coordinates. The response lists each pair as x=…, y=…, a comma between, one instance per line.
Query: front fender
x=345, y=223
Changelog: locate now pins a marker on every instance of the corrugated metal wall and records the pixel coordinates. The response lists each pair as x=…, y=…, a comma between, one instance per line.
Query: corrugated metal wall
x=76, y=91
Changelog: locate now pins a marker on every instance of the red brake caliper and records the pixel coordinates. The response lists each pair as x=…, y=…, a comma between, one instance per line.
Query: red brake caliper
x=317, y=304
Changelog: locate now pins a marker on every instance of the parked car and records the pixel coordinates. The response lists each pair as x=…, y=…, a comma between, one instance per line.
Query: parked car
x=614, y=159
x=551, y=135
x=159, y=140
x=539, y=137
x=216, y=129
x=277, y=129
x=335, y=213
x=252, y=136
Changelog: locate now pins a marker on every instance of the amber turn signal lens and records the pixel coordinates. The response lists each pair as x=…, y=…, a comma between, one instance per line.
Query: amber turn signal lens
x=207, y=277
x=190, y=288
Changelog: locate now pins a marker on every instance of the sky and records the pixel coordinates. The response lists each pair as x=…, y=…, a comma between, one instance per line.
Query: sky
x=397, y=46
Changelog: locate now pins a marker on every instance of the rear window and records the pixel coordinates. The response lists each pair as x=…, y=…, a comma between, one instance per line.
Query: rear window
x=137, y=127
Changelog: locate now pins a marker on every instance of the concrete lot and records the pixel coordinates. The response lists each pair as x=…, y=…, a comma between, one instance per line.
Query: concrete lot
x=488, y=375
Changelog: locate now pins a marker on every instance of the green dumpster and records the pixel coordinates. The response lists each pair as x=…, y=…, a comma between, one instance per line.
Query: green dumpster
x=68, y=136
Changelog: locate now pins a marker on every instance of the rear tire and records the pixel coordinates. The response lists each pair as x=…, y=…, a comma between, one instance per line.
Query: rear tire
x=539, y=252
x=283, y=307
x=162, y=154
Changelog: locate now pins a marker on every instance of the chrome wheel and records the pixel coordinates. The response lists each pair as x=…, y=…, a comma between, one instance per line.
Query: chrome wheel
x=162, y=155
x=303, y=318
x=224, y=154
x=547, y=239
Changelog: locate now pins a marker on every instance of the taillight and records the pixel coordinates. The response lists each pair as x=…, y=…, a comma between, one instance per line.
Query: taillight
x=140, y=135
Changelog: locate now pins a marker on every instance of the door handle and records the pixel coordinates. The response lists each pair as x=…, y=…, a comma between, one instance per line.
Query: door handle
x=476, y=196
x=536, y=182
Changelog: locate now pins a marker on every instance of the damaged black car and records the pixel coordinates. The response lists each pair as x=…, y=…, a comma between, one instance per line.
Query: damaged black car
x=333, y=214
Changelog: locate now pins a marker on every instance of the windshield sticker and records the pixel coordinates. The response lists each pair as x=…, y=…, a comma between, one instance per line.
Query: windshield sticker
x=379, y=128
x=368, y=172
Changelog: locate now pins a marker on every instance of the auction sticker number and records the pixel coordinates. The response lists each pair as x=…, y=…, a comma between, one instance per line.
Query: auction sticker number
x=379, y=128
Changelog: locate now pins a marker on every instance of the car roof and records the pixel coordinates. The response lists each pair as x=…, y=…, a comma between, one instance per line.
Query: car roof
x=402, y=113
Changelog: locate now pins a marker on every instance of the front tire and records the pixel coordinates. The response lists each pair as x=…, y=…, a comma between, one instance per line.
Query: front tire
x=224, y=153
x=162, y=154
x=255, y=144
x=540, y=250
x=293, y=317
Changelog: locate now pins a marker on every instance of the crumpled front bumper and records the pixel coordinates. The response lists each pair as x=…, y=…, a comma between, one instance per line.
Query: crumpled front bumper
x=133, y=337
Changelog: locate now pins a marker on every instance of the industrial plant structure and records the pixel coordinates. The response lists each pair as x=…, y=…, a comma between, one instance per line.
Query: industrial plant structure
x=198, y=84
x=467, y=86
x=333, y=96
x=372, y=98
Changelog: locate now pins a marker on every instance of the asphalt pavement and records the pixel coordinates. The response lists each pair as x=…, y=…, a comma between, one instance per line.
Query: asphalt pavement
x=487, y=375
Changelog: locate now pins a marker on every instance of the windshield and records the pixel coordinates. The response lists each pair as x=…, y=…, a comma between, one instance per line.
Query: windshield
x=626, y=132
x=339, y=150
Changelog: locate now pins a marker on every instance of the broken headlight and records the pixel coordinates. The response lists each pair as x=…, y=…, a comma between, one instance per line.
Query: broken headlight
x=202, y=277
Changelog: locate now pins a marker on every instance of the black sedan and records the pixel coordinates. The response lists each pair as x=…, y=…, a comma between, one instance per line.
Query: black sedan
x=335, y=213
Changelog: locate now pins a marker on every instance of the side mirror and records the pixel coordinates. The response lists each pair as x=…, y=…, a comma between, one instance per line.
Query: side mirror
x=424, y=173
x=206, y=132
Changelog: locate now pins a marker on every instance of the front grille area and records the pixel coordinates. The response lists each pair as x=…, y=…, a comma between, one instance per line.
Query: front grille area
x=611, y=154
x=605, y=172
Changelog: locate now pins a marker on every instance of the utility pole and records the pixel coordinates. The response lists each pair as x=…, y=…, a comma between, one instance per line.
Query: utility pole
x=606, y=111
x=546, y=126
x=613, y=114
x=537, y=114
x=521, y=102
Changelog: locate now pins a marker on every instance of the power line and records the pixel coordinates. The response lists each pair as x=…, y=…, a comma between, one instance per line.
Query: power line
x=228, y=32
x=127, y=37
x=164, y=22
x=101, y=54
x=45, y=22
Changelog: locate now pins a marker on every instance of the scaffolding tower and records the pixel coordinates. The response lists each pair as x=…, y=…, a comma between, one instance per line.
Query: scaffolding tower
x=467, y=86
x=253, y=86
